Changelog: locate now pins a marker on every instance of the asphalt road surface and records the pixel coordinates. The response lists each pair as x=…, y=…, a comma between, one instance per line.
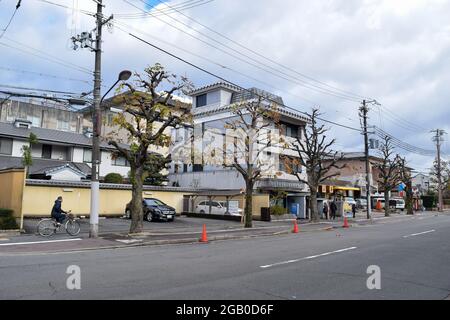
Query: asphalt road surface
x=413, y=257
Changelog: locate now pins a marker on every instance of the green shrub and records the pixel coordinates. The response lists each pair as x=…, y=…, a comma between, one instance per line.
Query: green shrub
x=7, y=220
x=5, y=212
x=277, y=210
x=429, y=201
x=113, y=178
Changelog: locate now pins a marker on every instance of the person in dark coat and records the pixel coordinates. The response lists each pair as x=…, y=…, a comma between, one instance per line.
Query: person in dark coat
x=354, y=210
x=57, y=212
x=333, y=209
x=325, y=210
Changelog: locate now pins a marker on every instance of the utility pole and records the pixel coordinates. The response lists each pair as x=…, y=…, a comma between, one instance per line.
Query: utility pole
x=438, y=139
x=363, y=112
x=85, y=39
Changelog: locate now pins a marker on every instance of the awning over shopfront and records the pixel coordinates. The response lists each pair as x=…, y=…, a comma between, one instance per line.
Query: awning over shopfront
x=347, y=188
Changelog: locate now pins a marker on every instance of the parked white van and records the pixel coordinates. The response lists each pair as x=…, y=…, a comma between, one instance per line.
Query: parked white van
x=219, y=207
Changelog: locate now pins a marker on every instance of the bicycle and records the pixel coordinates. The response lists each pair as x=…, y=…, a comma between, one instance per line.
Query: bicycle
x=48, y=227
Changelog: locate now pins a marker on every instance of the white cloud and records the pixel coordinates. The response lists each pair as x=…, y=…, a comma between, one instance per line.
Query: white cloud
x=396, y=51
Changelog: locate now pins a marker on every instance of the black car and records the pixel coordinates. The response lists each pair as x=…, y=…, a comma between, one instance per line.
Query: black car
x=154, y=210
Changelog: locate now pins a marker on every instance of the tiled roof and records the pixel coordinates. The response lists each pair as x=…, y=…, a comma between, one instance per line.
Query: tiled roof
x=216, y=85
x=205, y=111
x=49, y=135
x=41, y=166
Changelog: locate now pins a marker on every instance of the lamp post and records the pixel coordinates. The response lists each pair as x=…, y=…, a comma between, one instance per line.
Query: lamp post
x=123, y=76
x=96, y=159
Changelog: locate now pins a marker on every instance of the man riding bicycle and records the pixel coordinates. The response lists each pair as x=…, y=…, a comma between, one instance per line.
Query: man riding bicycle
x=57, y=212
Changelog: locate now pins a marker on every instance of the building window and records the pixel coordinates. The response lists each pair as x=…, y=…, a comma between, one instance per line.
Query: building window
x=109, y=119
x=290, y=130
x=201, y=100
x=197, y=168
x=290, y=165
x=120, y=162
x=62, y=125
x=46, y=151
x=6, y=146
x=87, y=155
x=35, y=121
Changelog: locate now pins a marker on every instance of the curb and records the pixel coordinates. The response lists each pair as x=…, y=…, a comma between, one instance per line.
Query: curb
x=165, y=242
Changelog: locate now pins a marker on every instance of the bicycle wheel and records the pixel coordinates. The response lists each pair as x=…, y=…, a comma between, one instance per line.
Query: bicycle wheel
x=46, y=227
x=73, y=227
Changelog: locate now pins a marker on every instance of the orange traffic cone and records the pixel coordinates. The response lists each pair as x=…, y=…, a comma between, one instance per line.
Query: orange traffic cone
x=345, y=223
x=204, y=238
x=379, y=206
x=295, y=227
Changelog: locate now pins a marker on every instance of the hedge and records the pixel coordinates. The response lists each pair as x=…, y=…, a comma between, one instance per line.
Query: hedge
x=113, y=178
x=7, y=220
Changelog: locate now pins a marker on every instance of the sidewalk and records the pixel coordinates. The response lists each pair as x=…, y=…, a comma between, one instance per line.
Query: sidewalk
x=32, y=244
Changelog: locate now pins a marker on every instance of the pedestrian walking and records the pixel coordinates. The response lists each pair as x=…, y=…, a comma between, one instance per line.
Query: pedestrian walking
x=354, y=210
x=333, y=209
x=325, y=210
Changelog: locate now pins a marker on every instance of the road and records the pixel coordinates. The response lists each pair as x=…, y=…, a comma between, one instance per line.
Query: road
x=413, y=257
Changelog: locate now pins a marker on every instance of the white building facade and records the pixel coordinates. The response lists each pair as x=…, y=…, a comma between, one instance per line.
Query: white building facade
x=202, y=154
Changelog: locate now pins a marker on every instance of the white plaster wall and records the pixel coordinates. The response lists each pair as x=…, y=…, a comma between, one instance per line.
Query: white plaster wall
x=66, y=175
x=78, y=154
x=59, y=153
x=17, y=147
x=107, y=167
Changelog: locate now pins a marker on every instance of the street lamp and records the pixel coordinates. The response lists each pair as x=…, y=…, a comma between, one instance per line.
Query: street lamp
x=95, y=186
x=123, y=76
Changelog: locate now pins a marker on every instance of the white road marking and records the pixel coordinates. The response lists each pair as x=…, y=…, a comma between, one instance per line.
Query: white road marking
x=307, y=258
x=130, y=241
x=38, y=242
x=418, y=234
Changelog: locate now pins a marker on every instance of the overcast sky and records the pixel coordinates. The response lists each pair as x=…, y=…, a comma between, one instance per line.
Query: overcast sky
x=394, y=51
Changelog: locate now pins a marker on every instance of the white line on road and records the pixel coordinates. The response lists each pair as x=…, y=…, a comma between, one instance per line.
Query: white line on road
x=418, y=234
x=38, y=242
x=307, y=258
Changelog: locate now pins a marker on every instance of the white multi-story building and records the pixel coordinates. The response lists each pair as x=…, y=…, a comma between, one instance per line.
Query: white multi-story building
x=200, y=154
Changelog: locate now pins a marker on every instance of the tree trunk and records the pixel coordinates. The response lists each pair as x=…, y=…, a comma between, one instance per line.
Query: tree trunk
x=409, y=198
x=248, y=214
x=314, y=217
x=386, y=203
x=137, y=214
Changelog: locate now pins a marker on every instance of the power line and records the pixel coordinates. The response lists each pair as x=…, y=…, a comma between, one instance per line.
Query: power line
x=220, y=65
x=11, y=19
x=181, y=6
x=251, y=61
x=40, y=74
x=35, y=89
x=234, y=84
x=403, y=145
x=89, y=13
x=262, y=56
x=44, y=55
x=401, y=121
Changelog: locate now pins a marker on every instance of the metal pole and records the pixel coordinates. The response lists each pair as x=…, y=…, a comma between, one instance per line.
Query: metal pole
x=97, y=118
x=439, y=133
x=365, y=110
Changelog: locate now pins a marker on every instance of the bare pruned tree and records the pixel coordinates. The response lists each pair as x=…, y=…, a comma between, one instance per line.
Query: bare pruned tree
x=317, y=157
x=152, y=110
x=406, y=178
x=249, y=135
x=389, y=174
